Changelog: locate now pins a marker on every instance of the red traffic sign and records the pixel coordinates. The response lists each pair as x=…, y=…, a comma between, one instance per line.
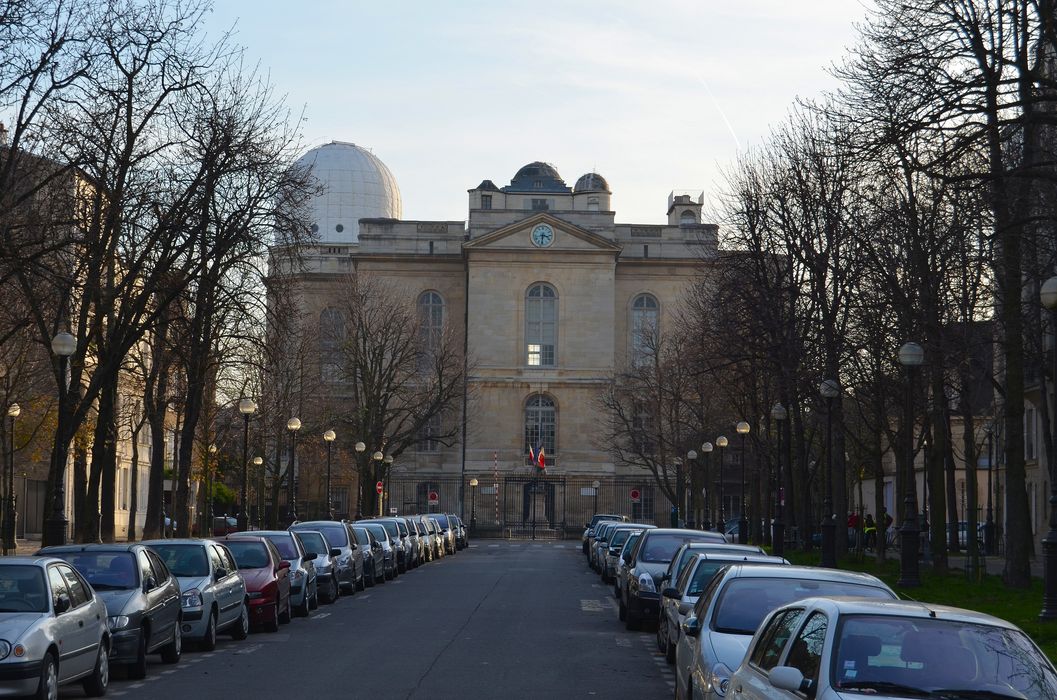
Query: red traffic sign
x=434, y=498
x=636, y=495
x=379, y=487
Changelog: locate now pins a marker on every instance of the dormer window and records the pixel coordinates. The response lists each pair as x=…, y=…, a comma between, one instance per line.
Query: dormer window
x=538, y=184
x=486, y=201
x=687, y=218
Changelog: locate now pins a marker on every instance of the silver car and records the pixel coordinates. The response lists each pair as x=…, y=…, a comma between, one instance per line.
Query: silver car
x=326, y=563
x=349, y=563
x=716, y=634
x=621, y=567
x=389, y=552
x=212, y=593
x=304, y=593
x=47, y=612
x=851, y=647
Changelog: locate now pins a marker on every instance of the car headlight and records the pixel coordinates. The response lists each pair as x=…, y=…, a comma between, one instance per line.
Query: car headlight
x=117, y=622
x=719, y=678
x=191, y=598
x=646, y=584
x=5, y=649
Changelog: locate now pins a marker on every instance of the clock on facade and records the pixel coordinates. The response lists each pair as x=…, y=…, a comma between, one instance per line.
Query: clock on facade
x=542, y=236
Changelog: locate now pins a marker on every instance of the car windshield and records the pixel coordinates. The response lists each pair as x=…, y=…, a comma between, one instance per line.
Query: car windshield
x=249, y=554
x=378, y=530
x=703, y=574
x=630, y=544
x=619, y=538
x=442, y=520
x=361, y=535
x=313, y=542
x=744, y=602
x=22, y=589
x=873, y=653
x=336, y=534
x=660, y=548
x=391, y=528
x=106, y=571
x=402, y=527
x=285, y=545
x=183, y=559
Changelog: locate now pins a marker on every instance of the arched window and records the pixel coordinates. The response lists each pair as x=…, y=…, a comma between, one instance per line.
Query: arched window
x=541, y=326
x=592, y=204
x=687, y=218
x=331, y=345
x=430, y=326
x=541, y=424
x=645, y=324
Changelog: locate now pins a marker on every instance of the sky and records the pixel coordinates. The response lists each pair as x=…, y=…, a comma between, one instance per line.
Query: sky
x=654, y=95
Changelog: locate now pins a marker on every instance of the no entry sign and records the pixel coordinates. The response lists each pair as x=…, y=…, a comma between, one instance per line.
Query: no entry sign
x=636, y=495
x=434, y=498
x=379, y=487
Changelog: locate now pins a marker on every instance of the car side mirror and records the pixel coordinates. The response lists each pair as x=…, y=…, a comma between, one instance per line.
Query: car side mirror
x=791, y=679
x=587, y=526
x=283, y=565
x=221, y=573
x=309, y=556
x=685, y=608
x=666, y=577
x=149, y=584
x=335, y=552
x=672, y=593
x=691, y=627
x=62, y=603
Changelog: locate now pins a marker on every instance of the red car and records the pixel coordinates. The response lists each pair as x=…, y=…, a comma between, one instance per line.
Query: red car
x=267, y=579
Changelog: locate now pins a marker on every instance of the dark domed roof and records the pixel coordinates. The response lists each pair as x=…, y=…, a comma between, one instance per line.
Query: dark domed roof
x=537, y=177
x=591, y=182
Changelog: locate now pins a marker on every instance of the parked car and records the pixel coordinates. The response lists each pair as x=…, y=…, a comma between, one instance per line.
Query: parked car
x=829, y=648
x=446, y=534
x=621, y=569
x=714, y=637
x=224, y=525
x=647, y=563
x=597, y=518
x=436, y=548
x=413, y=539
x=678, y=597
x=53, y=628
x=396, y=541
x=267, y=577
x=325, y=563
x=616, y=545
x=389, y=550
x=600, y=548
x=461, y=537
x=373, y=556
x=303, y=588
x=339, y=536
x=688, y=551
x=142, y=600
x=212, y=594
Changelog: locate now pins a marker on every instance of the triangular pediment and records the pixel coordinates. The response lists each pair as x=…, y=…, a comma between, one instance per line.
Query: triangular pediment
x=567, y=237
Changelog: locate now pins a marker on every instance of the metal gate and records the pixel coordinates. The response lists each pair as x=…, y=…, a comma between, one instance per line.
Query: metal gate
x=534, y=504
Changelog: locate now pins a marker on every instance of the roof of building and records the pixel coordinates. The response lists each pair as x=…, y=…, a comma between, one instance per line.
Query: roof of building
x=537, y=177
x=591, y=182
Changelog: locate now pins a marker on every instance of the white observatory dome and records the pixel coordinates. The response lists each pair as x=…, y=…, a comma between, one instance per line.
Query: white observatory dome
x=357, y=185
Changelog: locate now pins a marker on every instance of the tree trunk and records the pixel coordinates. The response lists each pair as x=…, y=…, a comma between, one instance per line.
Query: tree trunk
x=935, y=458
x=107, y=408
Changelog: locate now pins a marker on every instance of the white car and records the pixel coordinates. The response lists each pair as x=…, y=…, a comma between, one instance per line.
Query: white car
x=714, y=637
x=838, y=648
x=621, y=567
x=53, y=629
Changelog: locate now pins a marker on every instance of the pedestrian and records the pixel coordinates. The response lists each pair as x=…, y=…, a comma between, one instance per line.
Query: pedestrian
x=853, y=528
x=870, y=531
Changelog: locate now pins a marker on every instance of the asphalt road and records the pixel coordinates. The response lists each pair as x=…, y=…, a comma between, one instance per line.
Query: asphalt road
x=500, y=619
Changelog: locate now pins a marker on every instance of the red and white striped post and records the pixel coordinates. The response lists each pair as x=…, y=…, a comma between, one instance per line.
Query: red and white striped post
x=495, y=484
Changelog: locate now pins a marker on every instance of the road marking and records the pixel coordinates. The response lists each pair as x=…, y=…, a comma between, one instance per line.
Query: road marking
x=493, y=546
x=591, y=605
x=136, y=685
x=474, y=546
x=623, y=642
x=320, y=616
x=166, y=673
x=250, y=648
x=365, y=596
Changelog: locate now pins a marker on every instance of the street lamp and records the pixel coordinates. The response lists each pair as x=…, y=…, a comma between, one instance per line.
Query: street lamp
x=829, y=389
x=743, y=521
x=691, y=464
x=63, y=345
x=293, y=425
x=596, y=484
x=9, y=503
x=329, y=437
x=706, y=450
x=247, y=407
x=1049, y=542
x=360, y=448
x=208, y=510
x=779, y=414
x=911, y=356
x=989, y=525
x=721, y=525
x=473, y=505
x=377, y=458
x=258, y=463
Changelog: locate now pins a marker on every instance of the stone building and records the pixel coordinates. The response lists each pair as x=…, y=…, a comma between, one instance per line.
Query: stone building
x=552, y=293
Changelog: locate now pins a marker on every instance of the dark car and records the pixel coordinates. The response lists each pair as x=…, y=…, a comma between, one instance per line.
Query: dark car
x=389, y=547
x=267, y=577
x=647, y=564
x=373, y=556
x=350, y=561
x=326, y=562
x=396, y=541
x=142, y=600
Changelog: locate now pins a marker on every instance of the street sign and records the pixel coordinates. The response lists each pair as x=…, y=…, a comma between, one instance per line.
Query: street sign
x=393, y=511
x=434, y=498
x=636, y=495
x=379, y=487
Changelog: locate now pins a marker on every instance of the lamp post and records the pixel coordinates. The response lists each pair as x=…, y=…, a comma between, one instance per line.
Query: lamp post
x=247, y=407
x=691, y=464
x=293, y=425
x=829, y=389
x=743, y=521
x=258, y=464
x=706, y=450
x=473, y=505
x=721, y=525
x=63, y=345
x=329, y=437
x=911, y=356
x=989, y=524
x=779, y=414
x=360, y=449
x=1049, y=542
x=377, y=458
x=388, y=461
x=9, y=503
x=596, y=484
x=207, y=511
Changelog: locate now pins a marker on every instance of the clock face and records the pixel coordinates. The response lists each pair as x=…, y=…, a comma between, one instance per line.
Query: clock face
x=542, y=235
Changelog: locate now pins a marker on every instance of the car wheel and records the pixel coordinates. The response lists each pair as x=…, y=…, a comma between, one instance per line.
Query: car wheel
x=662, y=637
x=48, y=688
x=241, y=629
x=95, y=685
x=170, y=653
x=272, y=625
x=137, y=670
x=336, y=590
x=632, y=621
x=368, y=577
x=286, y=615
x=622, y=611
x=305, y=608
x=361, y=582
x=390, y=573
x=209, y=641
x=313, y=602
x=669, y=652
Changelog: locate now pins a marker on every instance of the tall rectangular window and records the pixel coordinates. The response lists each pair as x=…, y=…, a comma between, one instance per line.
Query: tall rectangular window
x=427, y=436
x=541, y=325
x=539, y=205
x=486, y=201
x=1031, y=438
